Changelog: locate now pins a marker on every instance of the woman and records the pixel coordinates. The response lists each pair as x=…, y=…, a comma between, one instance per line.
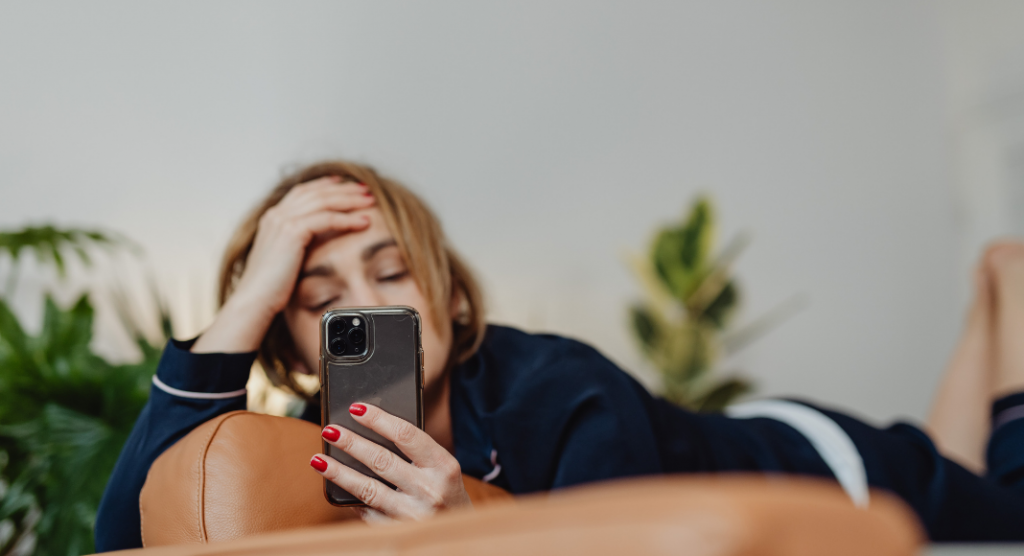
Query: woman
x=537, y=412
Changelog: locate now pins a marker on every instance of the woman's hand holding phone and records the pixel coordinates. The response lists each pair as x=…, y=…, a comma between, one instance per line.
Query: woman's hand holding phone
x=430, y=483
x=310, y=209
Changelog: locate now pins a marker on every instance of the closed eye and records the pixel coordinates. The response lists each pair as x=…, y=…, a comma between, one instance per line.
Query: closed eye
x=393, y=277
x=323, y=305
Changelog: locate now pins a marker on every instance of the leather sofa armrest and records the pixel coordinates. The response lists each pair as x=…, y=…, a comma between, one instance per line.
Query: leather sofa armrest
x=242, y=474
x=697, y=515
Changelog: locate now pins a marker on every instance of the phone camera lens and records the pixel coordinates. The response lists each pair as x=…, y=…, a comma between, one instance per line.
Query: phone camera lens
x=356, y=336
x=337, y=325
x=337, y=346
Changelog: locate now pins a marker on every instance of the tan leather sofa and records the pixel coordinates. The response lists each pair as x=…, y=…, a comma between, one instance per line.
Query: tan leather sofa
x=241, y=474
x=240, y=484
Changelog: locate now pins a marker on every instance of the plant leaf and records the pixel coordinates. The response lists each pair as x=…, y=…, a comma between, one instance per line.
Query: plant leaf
x=680, y=254
x=722, y=394
x=646, y=327
x=722, y=307
x=739, y=339
x=64, y=412
x=48, y=242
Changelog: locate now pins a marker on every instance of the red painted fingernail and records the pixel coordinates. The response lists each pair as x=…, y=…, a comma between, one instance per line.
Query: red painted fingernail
x=357, y=409
x=331, y=434
x=318, y=463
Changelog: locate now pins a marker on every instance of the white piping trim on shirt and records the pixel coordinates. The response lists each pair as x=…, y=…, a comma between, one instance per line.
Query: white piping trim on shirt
x=828, y=438
x=197, y=395
x=494, y=472
x=1007, y=415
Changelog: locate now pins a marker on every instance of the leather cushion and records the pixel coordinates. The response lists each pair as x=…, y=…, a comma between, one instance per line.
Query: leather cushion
x=694, y=515
x=241, y=474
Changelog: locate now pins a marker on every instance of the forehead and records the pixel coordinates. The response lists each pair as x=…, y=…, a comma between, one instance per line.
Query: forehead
x=348, y=247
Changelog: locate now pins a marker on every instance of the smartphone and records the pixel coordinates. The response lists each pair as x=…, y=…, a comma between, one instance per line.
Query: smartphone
x=371, y=355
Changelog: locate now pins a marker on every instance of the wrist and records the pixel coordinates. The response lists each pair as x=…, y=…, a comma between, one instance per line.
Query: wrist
x=239, y=327
x=243, y=308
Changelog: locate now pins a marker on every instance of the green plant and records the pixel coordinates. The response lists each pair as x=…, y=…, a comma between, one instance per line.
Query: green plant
x=50, y=245
x=65, y=412
x=689, y=303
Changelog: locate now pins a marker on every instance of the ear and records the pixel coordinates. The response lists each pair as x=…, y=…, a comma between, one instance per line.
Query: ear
x=457, y=307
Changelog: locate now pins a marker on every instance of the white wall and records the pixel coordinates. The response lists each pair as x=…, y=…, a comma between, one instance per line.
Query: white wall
x=551, y=137
x=985, y=60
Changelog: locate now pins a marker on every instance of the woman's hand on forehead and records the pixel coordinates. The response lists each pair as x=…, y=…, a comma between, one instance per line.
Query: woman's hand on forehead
x=321, y=206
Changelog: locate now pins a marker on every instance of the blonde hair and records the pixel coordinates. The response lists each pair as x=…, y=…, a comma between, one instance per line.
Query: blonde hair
x=438, y=271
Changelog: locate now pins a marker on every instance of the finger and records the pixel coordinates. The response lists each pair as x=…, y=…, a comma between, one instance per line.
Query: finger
x=374, y=517
x=342, y=198
x=368, y=490
x=413, y=442
x=311, y=185
x=318, y=181
x=375, y=457
x=330, y=221
x=325, y=182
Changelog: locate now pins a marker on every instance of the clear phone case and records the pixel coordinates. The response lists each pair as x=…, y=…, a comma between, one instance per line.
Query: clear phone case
x=388, y=374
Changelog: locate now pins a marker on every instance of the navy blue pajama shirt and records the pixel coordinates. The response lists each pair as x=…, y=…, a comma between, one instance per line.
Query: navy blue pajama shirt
x=539, y=412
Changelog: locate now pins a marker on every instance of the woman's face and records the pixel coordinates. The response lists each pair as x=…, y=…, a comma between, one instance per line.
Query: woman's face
x=359, y=269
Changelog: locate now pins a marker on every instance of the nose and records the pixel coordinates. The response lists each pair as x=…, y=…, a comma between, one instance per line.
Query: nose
x=363, y=294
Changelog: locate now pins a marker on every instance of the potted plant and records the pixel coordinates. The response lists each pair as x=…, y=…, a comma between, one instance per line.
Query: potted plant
x=65, y=412
x=683, y=323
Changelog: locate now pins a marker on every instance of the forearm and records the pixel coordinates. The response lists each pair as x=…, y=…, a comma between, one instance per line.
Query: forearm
x=160, y=425
x=206, y=386
x=239, y=327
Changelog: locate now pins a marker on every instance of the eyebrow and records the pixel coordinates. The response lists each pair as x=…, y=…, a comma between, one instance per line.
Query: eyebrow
x=368, y=253
x=372, y=250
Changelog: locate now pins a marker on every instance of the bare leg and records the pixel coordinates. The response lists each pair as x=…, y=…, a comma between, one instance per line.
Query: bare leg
x=1007, y=270
x=959, y=421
